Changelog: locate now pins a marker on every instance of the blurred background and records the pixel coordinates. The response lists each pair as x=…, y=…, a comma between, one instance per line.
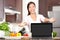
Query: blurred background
x=14, y=11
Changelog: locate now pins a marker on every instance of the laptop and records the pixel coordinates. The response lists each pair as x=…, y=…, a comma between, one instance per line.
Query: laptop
x=41, y=30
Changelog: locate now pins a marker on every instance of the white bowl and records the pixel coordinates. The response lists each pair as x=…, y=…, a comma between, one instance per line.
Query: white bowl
x=2, y=33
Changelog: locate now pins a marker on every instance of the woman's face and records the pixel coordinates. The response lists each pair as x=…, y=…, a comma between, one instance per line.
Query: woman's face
x=32, y=8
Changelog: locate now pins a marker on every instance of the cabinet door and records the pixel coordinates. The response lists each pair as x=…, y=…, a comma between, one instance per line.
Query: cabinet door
x=11, y=18
x=19, y=8
x=43, y=8
x=1, y=10
x=9, y=3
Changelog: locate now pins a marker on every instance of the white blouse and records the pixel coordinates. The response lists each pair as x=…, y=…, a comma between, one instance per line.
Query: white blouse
x=29, y=20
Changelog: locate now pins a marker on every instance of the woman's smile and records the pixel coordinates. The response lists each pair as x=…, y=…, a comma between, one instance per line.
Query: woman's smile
x=32, y=8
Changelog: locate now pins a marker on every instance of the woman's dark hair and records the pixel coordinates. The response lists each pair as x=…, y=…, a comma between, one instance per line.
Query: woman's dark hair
x=28, y=6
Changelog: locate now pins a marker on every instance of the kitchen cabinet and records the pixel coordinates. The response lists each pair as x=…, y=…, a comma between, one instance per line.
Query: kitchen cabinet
x=10, y=17
x=15, y=5
x=9, y=3
x=52, y=3
x=1, y=10
x=19, y=8
x=46, y=5
x=43, y=8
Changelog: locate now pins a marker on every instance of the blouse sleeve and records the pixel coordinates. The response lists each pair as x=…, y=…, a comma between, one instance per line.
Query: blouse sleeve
x=41, y=18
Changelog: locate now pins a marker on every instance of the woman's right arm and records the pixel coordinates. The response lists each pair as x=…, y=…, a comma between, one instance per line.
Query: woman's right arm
x=22, y=24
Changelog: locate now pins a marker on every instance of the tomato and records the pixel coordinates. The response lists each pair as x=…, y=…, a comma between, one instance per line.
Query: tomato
x=25, y=34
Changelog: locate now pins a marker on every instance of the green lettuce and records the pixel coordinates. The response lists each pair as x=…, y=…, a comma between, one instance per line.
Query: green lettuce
x=4, y=26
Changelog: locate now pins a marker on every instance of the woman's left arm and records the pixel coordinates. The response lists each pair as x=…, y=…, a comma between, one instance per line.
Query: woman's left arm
x=51, y=20
x=44, y=19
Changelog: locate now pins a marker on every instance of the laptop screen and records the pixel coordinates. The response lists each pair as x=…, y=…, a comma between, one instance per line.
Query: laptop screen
x=41, y=29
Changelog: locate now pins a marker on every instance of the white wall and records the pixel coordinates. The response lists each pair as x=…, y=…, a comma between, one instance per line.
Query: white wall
x=24, y=7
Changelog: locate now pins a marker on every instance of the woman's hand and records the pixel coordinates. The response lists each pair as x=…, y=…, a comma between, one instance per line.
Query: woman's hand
x=52, y=20
x=22, y=24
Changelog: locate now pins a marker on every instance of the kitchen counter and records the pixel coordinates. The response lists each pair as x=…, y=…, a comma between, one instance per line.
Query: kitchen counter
x=56, y=38
x=6, y=37
x=13, y=38
x=19, y=38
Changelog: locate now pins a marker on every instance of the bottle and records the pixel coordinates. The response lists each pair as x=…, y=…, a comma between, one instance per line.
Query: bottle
x=22, y=31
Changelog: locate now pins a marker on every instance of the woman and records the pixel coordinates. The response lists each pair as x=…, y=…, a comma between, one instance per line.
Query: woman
x=33, y=17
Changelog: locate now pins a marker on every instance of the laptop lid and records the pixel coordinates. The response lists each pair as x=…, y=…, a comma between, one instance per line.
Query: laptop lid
x=41, y=29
